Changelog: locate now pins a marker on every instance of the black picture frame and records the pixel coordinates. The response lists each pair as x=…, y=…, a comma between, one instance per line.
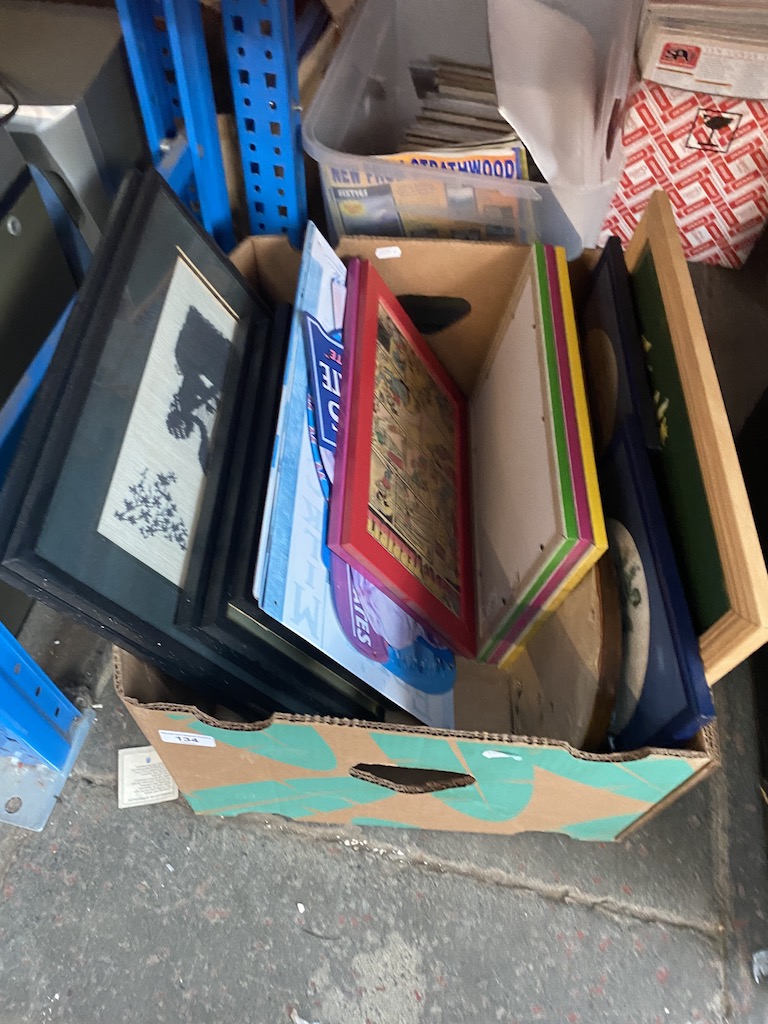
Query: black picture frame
x=54, y=496
x=218, y=596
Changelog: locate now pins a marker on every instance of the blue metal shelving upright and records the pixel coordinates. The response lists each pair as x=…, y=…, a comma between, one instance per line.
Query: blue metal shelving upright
x=166, y=49
x=263, y=71
x=41, y=733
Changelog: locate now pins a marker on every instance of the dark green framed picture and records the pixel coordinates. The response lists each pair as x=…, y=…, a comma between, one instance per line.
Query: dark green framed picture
x=714, y=532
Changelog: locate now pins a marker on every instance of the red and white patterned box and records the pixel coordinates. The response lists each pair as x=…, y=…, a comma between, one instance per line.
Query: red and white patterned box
x=710, y=154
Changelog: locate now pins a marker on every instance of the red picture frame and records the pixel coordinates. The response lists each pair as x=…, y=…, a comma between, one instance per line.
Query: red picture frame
x=400, y=506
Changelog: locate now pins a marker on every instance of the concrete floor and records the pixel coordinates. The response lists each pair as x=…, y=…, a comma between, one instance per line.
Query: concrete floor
x=152, y=914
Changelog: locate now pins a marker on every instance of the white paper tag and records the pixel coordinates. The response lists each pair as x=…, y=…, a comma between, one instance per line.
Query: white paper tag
x=388, y=252
x=142, y=778
x=187, y=739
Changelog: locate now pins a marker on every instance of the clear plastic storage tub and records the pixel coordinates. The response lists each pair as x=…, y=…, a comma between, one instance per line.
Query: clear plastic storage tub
x=361, y=109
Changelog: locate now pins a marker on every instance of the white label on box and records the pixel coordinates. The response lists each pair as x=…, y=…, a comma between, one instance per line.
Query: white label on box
x=142, y=778
x=187, y=739
x=389, y=252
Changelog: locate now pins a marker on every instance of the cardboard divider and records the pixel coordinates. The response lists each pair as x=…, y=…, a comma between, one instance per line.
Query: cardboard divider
x=485, y=282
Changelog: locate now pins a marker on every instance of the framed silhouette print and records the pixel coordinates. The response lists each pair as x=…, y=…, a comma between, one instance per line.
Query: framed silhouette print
x=153, y=498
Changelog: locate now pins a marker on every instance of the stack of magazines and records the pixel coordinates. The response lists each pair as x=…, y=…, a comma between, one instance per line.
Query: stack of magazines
x=459, y=120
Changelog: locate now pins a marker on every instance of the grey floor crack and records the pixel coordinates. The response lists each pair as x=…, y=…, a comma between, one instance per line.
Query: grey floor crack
x=609, y=906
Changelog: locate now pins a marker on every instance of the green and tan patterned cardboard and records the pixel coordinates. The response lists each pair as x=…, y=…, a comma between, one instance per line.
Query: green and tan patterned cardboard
x=342, y=772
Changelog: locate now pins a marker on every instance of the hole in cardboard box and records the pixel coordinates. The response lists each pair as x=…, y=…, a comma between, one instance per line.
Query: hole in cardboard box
x=433, y=313
x=410, y=780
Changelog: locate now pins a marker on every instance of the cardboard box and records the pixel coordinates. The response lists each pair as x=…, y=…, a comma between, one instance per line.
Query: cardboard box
x=477, y=778
x=710, y=155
